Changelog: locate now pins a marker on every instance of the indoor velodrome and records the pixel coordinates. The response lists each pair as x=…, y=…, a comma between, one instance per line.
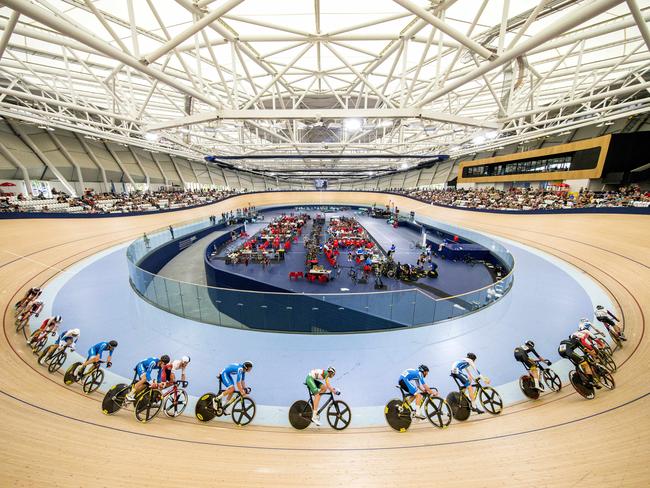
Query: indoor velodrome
x=361, y=244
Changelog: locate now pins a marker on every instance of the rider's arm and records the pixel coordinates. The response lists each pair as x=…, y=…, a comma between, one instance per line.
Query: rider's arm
x=183, y=374
x=328, y=386
x=612, y=315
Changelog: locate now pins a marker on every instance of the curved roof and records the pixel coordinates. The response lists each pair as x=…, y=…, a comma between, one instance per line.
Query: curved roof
x=236, y=77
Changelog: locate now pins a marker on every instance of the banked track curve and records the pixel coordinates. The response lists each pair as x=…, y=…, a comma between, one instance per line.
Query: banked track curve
x=56, y=435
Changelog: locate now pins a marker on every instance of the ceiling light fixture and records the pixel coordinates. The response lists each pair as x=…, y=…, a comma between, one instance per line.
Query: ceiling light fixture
x=352, y=124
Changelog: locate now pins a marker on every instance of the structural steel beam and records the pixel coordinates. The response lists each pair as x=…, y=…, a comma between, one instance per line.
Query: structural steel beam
x=9, y=29
x=317, y=114
x=190, y=31
x=569, y=21
x=46, y=18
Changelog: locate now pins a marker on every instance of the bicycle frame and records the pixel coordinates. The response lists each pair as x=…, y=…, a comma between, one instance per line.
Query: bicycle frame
x=330, y=399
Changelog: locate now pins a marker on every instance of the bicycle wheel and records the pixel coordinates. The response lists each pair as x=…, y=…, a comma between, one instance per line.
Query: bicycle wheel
x=57, y=361
x=339, y=415
x=459, y=404
x=552, y=380
x=583, y=389
x=527, y=385
x=69, y=377
x=300, y=415
x=607, y=361
x=490, y=399
x=604, y=377
x=243, y=411
x=93, y=381
x=438, y=412
x=40, y=344
x=398, y=417
x=148, y=405
x=175, y=404
x=204, y=410
x=114, y=399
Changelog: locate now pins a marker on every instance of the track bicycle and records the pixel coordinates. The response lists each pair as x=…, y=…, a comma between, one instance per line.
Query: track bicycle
x=38, y=345
x=242, y=410
x=584, y=385
x=400, y=413
x=550, y=378
x=91, y=378
x=338, y=412
x=461, y=404
x=54, y=360
x=146, y=404
x=175, y=398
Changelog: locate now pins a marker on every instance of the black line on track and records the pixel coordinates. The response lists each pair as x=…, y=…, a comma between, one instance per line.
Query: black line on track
x=333, y=449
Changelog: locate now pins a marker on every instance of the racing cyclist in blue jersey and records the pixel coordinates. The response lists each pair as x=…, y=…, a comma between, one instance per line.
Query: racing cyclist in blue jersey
x=95, y=354
x=406, y=380
x=229, y=385
x=144, y=370
x=465, y=372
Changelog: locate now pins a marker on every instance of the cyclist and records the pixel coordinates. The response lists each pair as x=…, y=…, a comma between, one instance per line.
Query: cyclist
x=229, y=384
x=461, y=370
x=589, y=339
x=318, y=382
x=95, y=354
x=32, y=310
x=49, y=326
x=31, y=295
x=406, y=380
x=143, y=372
x=568, y=348
x=67, y=338
x=605, y=317
x=522, y=355
x=168, y=377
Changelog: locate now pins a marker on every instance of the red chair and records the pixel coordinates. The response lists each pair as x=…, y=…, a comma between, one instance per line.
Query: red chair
x=323, y=279
x=311, y=277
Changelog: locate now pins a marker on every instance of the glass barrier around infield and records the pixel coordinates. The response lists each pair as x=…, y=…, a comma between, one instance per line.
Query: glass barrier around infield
x=310, y=313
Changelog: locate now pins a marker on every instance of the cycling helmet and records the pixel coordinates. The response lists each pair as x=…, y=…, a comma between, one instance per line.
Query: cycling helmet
x=331, y=370
x=58, y=319
x=471, y=355
x=599, y=307
x=112, y=344
x=36, y=290
x=164, y=359
x=584, y=324
x=423, y=368
x=185, y=359
x=247, y=365
x=530, y=344
x=75, y=332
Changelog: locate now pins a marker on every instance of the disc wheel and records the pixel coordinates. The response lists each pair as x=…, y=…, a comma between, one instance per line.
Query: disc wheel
x=397, y=416
x=339, y=415
x=552, y=380
x=584, y=390
x=605, y=378
x=57, y=361
x=148, y=405
x=93, y=381
x=491, y=400
x=243, y=411
x=204, y=410
x=459, y=405
x=300, y=415
x=527, y=385
x=114, y=399
x=438, y=412
x=175, y=404
x=69, y=377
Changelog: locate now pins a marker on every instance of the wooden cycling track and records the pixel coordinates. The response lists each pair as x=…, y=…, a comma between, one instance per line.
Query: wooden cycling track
x=54, y=435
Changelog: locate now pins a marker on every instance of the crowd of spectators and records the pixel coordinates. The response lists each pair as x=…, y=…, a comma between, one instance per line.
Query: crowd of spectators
x=92, y=203
x=530, y=199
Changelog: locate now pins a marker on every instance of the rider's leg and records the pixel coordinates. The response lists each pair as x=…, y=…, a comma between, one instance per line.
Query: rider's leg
x=137, y=387
x=534, y=372
x=82, y=368
x=418, y=405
